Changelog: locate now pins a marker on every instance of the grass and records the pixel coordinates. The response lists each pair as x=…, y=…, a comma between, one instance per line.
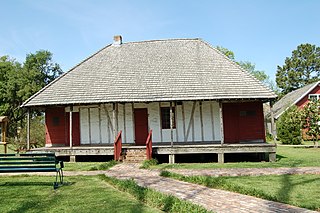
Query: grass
x=80, y=194
x=88, y=166
x=286, y=157
x=166, y=203
x=297, y=190
x=146, y=164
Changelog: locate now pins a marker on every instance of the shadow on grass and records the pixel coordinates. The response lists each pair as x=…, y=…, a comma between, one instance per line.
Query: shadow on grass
x=34, y=183
x=279, y=157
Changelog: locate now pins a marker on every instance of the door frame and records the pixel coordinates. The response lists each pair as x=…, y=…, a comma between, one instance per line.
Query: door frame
x=146, y=127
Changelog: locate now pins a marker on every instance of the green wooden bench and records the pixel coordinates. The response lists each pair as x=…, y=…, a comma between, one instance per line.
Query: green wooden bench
x=32, y=162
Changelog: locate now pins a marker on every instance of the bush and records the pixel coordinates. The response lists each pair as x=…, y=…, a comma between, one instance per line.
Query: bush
x=289, y=127
x=37, y=135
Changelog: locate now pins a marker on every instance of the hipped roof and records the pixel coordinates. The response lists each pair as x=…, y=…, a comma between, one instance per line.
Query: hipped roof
x=148, y=71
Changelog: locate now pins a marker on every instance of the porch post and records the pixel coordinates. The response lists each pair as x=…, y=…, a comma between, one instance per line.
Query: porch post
x=115, y=119
x=273, y=132
x=70, y=126
x=221, y=123
x=28, y=129
x=171, y=157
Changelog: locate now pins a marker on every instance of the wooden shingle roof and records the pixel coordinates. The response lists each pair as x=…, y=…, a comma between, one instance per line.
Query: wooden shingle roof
x=160, y=70
x=292, y=98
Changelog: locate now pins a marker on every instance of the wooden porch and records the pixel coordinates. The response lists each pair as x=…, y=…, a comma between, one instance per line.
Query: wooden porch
x=167, y=149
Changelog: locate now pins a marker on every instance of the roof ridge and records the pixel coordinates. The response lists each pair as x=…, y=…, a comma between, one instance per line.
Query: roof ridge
x=161, y=40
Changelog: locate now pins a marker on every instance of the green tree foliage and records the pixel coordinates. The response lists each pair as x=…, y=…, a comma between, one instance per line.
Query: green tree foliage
x=226, y=52
x=18, y=82
x=289, y=126
x=302, y=68
x=311, y=120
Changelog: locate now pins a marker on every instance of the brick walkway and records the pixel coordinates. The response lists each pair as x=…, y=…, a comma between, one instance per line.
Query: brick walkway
x=212, y=199
x=247, y=171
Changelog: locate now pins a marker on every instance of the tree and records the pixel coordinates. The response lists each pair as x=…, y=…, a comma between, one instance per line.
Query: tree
x=226, y=52
x=289, y=126
x=19, y=82
x=311, y=120
x=302, y=68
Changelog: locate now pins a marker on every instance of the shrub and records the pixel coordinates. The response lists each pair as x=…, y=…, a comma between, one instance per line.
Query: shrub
x=289, y=126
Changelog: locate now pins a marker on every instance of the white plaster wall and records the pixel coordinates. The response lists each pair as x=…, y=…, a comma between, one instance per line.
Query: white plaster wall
x=216, y=118
x=129, y=131
x=154, y=121
x=94, y=126
x=84, y=126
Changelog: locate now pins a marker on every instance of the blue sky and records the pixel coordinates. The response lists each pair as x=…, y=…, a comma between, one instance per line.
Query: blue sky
x=262, y=32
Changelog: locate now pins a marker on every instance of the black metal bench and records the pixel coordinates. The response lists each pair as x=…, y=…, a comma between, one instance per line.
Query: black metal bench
x=32, y=162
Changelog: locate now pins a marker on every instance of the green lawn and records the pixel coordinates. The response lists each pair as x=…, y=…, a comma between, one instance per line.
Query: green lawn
x=297, y=190
x=88, y=166
x=80, y=194
x=286, y=157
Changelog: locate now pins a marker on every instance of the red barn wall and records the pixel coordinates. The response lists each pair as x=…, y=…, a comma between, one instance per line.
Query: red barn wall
x=57, y=127
x=243, y=122
x=305, y=99
x=300, y=104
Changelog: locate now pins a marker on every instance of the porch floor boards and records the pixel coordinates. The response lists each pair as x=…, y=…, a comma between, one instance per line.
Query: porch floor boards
x=165, y=148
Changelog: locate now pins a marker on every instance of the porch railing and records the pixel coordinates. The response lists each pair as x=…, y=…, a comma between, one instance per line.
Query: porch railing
x=118, y=146
x=149, y=145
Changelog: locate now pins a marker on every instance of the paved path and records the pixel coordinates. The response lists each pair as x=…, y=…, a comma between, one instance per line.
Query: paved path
x=212, y=199
x=247, y=171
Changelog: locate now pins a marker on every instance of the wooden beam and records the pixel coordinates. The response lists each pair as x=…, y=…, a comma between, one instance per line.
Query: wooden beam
x=171, y=124
x=221, y=123
x=133, y=124
x=117, y=118
x=273, y=131
x=109, y=123
x=124, y=133
x=212, y=120
x=190, y=122
x=176, y=120
x=100, y=135
x=28, y=129
x=160, y=123
x=114, y=120
x=183, y=120
x=89, y=125
x=70, y=126
x=201, y=120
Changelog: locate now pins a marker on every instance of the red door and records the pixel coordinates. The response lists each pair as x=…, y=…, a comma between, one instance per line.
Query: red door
x=230, y=123
x=141, y=125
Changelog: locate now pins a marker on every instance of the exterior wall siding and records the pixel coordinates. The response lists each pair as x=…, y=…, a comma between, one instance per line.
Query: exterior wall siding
x=243, y=122
x=57, y=127
x=305, y=99
x=188, y=128
x=195, y=121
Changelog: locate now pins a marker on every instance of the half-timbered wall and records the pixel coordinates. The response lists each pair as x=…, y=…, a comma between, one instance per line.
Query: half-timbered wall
x=195, y=121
